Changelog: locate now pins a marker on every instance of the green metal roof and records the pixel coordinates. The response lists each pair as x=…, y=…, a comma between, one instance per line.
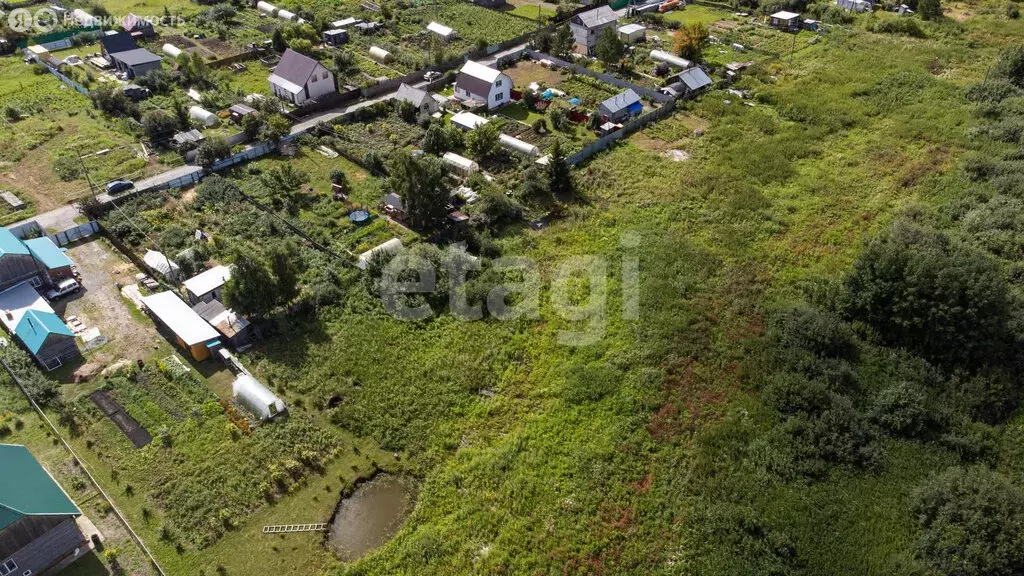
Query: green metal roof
x=36, y=326
x=27, y=490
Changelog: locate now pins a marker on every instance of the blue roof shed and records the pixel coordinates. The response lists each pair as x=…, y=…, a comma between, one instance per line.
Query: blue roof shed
x=46, y=252
x=36, y=326
x=10, y=244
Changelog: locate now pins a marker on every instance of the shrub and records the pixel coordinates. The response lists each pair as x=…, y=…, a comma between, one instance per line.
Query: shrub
x=971, y=523
x=844, y=436
x=902, y=409
x=814, y=330
x=921, y=290
x=792, y=393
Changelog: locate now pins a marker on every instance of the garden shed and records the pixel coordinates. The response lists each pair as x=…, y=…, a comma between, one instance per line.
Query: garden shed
x=256, y=397
x=632, y=33
x=468, y=121
x=189, y=329
x=623, y=105
x=783, y=20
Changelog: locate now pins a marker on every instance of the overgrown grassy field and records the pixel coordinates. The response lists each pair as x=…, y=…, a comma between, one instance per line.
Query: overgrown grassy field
x=659, y=448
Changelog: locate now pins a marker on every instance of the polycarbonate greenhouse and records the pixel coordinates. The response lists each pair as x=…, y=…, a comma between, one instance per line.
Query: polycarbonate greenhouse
x=257, y=398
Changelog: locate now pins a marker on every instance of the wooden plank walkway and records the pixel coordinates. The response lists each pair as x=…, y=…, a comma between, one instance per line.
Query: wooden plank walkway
x=287, y=528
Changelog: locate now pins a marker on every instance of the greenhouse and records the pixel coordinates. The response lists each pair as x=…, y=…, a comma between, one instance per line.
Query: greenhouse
x=256, y=397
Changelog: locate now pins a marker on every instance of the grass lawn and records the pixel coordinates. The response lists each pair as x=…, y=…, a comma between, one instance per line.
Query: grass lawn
x=706, y=15
x=533, y=12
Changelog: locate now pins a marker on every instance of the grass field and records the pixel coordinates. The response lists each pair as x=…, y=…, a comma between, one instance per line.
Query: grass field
x=650, y=450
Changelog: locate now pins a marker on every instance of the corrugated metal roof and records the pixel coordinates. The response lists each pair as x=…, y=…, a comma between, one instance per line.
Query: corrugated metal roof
x=596, y=17
x=36, y=326
x=694, y=78
x=26, y=489
x=181, y=320
x=208, y=281
x=46, y=252
x=621, y=100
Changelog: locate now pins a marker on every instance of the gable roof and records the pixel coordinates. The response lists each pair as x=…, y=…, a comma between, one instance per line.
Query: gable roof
x=694, y=78
x=209, y=280
x=26, y=489
x=476, y=78
x=37, y=325
x=179, y=318
x=119, y=42
x=597, y=17
x=412, y=95
x=10, y=244
x=784, y=15
x=46, y=252
x=135, y=57
x=623, y=99
x=480, y=71
x=295, y=68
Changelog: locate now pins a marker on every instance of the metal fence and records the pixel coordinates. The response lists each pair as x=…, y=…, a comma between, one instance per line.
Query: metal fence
x=75, y=233
x=630, y=127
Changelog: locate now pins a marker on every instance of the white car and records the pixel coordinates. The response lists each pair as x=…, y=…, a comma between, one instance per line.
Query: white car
x=64, y=288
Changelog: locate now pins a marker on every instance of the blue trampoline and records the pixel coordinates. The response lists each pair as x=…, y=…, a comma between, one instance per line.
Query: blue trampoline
x=359, y=216
x=574, y=101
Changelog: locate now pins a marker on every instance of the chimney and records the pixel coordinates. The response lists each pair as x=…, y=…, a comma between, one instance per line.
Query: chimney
x=9, y=315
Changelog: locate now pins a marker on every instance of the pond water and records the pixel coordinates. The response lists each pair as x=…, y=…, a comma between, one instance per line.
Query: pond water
x=371, y=516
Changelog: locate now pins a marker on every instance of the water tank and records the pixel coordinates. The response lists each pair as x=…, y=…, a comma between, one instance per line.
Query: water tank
x=204, y=116
x=172, y=50
x=266, y=7
x=380, y=54
x=671, y=59
x=518, y=145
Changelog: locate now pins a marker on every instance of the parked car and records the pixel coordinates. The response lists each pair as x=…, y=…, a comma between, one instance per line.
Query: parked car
x=65, y=287
x=431, y=75
x=119, y=186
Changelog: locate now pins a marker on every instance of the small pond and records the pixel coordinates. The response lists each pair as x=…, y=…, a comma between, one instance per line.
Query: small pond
x=371, y=515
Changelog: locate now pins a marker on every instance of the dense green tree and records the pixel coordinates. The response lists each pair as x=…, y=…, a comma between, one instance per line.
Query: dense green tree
x=158, y=125
x=483, y=141
x=435, y=139
x=252, y=290
x=562, y=42
x=274, y=128
x=278, y=42
x=420, y=183
x=609, y=48
x=971, y=523
x=929, y=9
x=921, y=290
x=559, y=173
x=211, y=150
x=535, y=185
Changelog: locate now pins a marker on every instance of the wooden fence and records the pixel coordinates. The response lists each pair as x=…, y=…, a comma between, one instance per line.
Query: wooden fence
x=630, y=127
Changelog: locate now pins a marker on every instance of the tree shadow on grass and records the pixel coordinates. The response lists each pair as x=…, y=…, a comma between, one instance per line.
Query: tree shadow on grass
x=88, y=565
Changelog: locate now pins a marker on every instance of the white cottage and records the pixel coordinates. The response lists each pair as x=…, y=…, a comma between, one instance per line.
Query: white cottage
x=477, y=83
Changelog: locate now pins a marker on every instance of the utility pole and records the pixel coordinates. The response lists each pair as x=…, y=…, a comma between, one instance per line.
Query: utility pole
x=85, y=169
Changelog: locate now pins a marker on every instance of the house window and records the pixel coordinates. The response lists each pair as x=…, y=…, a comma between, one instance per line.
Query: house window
x=8, y=567
x=325, y=75
x=313, y=79
x=35, y=281
x=497, y=97
x=498, y=83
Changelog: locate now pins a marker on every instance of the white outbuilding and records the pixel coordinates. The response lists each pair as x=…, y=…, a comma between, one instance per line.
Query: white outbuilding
x=632, y=33
x=460, y=164
x=441, y=30
x=267, y=8
x=172, y=50
x=468, y=121
x=161, y=263
x=256, y=397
